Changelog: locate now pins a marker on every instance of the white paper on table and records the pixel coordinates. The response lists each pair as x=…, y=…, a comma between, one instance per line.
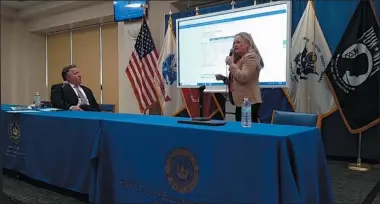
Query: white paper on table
x=21, y=108
x=22, y=111
x=49, y=109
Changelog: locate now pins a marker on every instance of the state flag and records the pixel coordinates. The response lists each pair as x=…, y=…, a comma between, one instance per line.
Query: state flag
x=170, y=98
x=308, y=89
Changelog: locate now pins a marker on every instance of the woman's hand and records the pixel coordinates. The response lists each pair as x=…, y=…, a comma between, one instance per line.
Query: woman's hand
x=231, y=69
x=76, y=108
x=229, y=60
x=219, y=77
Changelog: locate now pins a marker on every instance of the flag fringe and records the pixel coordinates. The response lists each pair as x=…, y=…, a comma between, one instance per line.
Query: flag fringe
x=289, y=99
x=352, y=131
x=179, y=110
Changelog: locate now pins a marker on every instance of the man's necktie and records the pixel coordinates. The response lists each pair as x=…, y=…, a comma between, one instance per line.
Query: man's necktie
x=82, y=98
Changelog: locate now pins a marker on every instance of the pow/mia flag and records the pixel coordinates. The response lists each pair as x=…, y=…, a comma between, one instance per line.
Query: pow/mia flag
x=353, y=71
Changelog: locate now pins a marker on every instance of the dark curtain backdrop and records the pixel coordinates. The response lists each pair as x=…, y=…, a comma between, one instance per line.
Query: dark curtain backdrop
x=333, y=16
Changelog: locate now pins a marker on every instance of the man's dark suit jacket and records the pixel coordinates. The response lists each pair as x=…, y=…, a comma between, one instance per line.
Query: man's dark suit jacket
x=63, y=96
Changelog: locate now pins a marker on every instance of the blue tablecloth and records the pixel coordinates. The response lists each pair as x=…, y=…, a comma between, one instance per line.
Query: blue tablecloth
x=124, y=158
x=154, y=159
x=53, y=147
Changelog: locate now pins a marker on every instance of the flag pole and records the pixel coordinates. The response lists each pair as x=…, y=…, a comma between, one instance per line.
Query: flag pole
x=315, y=51
x=359, y=166
x=145, y=7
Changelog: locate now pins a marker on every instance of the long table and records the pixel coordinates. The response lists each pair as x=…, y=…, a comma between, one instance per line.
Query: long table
x=125, y=158
x=52, y=147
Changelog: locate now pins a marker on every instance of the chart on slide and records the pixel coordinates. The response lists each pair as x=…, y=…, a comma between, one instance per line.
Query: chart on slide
x=214, y=52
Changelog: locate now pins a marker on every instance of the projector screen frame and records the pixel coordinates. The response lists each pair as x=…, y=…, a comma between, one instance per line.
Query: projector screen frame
x=217, y=89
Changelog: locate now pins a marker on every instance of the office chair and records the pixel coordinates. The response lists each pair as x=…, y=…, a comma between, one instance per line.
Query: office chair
x=294, y=118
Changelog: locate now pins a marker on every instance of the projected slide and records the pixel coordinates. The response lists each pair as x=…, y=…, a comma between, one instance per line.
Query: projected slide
x=205, y=41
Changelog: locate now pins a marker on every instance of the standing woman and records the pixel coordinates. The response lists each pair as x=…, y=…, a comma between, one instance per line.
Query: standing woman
x=245, y=65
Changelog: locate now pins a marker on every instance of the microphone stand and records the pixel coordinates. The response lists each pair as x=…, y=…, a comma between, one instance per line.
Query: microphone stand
x=201, y=118
x=201, y=90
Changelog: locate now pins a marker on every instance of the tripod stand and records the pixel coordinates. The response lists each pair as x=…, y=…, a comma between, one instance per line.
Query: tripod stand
x=201, y=118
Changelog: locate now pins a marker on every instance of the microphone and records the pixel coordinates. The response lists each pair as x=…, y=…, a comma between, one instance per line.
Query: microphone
x=231, y=52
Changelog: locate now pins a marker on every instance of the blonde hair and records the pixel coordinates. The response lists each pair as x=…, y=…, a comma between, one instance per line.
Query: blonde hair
x=252, y=46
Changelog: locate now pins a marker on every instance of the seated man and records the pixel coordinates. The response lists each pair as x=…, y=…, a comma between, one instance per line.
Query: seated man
x=71, y=95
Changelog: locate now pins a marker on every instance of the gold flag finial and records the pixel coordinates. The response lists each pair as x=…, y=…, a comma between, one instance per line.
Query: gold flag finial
x=170, y=16
x=197, y=11
x=233, y=2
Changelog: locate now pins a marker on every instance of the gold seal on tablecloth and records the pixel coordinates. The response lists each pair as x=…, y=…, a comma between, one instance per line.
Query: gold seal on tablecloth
x=182, y=170
x=14, y=132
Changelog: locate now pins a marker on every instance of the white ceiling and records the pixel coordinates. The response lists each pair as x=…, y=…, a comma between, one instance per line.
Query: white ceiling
x=28, y=10
x=19, y=4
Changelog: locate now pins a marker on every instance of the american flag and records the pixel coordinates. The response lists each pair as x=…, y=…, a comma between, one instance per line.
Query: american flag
x=142, y=68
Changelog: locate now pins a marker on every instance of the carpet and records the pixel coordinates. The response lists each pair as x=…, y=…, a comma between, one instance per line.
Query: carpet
x=348, y=186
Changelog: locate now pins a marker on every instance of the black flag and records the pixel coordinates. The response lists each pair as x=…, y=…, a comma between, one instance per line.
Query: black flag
x=354, y=71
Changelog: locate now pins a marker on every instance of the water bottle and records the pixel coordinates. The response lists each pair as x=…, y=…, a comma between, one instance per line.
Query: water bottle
x=246, y=120
x=37, y=100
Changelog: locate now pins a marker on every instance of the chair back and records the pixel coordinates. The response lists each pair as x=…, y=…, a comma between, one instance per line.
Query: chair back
x=294, y=118
x=107, y=108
